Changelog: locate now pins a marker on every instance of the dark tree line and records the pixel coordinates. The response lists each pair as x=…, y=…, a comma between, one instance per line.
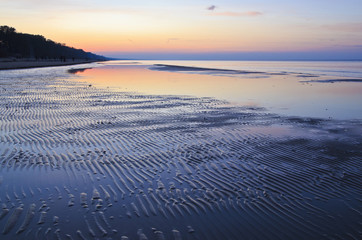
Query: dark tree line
x=21, y=45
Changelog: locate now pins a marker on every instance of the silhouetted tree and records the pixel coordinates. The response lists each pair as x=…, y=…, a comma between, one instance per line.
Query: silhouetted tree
x=13, y=44
x=7, y=29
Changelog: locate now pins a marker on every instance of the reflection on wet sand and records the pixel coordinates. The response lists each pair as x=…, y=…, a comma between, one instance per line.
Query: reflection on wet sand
x=284, y=94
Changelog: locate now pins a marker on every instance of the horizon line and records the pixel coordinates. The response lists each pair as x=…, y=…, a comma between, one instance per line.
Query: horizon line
x=196, y=59
x=238, y=56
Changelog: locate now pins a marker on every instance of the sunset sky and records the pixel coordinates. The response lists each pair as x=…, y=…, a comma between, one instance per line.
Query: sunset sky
x=196, y=29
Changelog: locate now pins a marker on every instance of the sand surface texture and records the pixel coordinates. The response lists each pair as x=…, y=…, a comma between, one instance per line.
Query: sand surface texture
x=18, y=64
x=79, y=162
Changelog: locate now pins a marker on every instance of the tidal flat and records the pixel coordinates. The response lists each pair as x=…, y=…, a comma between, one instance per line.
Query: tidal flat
x=80, y=161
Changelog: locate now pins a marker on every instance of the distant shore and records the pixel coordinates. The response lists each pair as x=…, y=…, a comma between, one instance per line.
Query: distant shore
x=7, y=64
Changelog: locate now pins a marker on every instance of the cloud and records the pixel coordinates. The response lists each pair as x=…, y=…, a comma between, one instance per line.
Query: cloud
x=211, y=8
x=173, y=39
x=108, y=10
x=348, y=46
x=344, y=27
x=238, y=14
x=39, y=4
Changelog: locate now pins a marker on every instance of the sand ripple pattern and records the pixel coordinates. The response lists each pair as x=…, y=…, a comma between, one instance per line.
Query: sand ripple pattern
x=79, y=162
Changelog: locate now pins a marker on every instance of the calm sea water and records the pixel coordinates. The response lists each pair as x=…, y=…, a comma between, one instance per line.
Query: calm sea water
x=287, y=88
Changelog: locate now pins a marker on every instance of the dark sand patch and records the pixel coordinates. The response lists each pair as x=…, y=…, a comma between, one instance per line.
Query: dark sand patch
x=77, y=70
x=307, y=76
x=164, y=67
x=7, y=65
x=334, y=80
x=212, y=71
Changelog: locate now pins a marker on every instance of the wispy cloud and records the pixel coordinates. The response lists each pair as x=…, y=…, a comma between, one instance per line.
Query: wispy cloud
x=127, y=11
x=344, y=27
x=211, y=8
x=40, y=4
x=173, y=39
x=237, y=14
x=348, y=46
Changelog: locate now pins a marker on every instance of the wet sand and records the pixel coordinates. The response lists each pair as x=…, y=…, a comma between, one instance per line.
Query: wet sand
x=80, y=162
x=20, y=64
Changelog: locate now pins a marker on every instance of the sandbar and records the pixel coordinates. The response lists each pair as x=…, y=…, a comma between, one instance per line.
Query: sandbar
x=6, y=64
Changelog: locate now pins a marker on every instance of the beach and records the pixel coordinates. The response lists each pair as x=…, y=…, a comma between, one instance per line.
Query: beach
x=20, y=64
x=85, y=161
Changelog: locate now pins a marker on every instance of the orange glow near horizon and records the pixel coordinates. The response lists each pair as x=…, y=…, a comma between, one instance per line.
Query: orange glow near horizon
x=163, y=44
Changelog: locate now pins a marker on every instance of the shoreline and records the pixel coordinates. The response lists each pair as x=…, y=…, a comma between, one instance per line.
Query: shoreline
x=11, y=65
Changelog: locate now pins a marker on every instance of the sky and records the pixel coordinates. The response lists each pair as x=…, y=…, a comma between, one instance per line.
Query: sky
x=196, y=29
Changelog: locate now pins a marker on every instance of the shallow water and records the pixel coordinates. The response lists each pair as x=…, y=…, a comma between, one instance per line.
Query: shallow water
x=101, y=164
x=287, y=90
